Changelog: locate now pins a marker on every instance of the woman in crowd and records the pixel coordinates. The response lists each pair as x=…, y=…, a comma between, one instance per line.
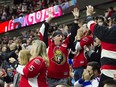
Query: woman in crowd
x=33, y=74
x=84, y=40
x=23, y=60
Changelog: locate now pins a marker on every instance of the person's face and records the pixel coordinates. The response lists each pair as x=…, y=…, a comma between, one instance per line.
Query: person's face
x=100, y=22
x=58, y=39
x=28, y=41
x=89, y=69
x=4, y=49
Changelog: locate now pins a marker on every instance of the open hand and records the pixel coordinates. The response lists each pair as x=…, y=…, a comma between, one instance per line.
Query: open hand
x=90, y=10
x=76, y=13
x=50, y=14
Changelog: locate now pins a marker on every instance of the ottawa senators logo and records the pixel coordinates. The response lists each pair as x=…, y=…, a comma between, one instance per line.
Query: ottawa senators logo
x=59, y=58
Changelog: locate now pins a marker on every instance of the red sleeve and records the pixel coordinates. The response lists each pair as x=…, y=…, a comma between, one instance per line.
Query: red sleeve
x=91, y=25
x=66, y=41
x=32, y=68
x=88, y=40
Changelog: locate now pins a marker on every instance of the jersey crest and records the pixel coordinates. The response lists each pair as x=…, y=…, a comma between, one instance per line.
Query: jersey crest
x=59, y=58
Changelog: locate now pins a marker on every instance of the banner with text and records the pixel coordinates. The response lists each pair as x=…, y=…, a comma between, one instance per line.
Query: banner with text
x=30, y=19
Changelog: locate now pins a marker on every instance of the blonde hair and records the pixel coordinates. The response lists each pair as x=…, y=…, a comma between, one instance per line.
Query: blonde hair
x=39, y=49
x=24, y=57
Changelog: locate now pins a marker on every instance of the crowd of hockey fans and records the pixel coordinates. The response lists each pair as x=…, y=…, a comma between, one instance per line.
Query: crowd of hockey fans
x=23, y=7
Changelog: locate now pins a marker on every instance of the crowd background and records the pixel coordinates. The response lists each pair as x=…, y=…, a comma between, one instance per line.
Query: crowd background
x=10, y=46
x=23, y=7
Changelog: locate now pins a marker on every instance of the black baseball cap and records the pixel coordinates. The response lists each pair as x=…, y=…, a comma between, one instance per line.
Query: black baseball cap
x=57, y=32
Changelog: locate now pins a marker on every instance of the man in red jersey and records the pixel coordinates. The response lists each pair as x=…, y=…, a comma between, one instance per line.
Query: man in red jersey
x=58, y=71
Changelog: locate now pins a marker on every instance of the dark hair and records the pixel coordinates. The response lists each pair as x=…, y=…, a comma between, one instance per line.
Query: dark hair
x=94, y=65
x=110, y=83
x=100, y=17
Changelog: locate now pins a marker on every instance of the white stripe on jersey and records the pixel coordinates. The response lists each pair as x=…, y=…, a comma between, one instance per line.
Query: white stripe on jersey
x=108, y=54
x=109, y=73
x=33, y=81
x=42, y=29
x=19, y=69
x=89, y=23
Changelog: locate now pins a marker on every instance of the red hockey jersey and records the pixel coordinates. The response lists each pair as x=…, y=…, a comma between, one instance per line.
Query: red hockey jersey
x=58, y=55
x=80, y=59
x=33, y=74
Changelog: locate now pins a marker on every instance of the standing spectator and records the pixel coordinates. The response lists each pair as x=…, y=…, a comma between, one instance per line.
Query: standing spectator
x=23, y=60
x=58, y=71
x=9, y=78
x=108, y=43
x=100, y=20
x=80, y=61
x=34, y=72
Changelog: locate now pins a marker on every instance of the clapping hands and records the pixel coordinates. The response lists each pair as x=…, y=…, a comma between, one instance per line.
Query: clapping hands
x=86, y=75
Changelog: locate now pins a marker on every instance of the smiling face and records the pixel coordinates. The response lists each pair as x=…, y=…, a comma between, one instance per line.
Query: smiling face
x=58, y=39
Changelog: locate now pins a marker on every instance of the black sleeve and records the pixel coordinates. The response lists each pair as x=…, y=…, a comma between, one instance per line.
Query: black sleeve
x=71, y=55
x=45, y=35
x=74, y=29
x=105, y=34
x=96, y=55
x=15, y=64
x=12, y=54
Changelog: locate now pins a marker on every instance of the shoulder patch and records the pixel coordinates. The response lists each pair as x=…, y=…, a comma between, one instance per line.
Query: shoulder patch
x=37, y=61
x=85, y=39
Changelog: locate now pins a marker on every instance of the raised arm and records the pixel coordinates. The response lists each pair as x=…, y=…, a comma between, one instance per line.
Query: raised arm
x=74, y=27
x=43, y=32
x=102, y=32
